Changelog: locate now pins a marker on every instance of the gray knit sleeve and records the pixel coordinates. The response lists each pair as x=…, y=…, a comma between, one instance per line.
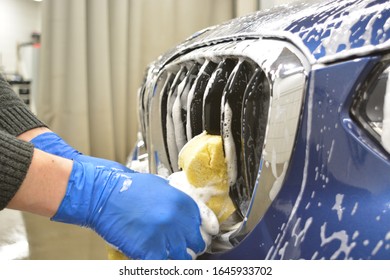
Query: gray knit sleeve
x=15, y=159
x=15, y=155
x=15, y=116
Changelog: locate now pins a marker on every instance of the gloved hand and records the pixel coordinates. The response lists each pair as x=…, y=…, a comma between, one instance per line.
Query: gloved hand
x=52, y=143
x=140, y=214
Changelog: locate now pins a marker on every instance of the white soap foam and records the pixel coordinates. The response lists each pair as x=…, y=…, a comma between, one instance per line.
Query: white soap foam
x=179, y=181
x=210, y=224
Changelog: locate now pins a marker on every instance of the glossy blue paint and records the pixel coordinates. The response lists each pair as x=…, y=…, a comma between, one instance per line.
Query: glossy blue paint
x=343, y=26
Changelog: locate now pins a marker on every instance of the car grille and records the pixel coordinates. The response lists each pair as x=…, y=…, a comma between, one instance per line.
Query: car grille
x=227, y=96
x=251, y=98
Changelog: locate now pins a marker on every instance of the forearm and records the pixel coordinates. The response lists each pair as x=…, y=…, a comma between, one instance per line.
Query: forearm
x=44, y=186
x=32, y=133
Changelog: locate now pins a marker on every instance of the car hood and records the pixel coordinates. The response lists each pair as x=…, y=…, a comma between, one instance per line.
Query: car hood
x=324, y=31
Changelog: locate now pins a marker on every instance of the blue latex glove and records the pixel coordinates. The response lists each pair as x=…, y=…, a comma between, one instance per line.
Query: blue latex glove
x=140, y=214
x=52, y=143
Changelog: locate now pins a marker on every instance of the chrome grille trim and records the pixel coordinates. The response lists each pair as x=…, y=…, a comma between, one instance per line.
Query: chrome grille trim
x=181, y=99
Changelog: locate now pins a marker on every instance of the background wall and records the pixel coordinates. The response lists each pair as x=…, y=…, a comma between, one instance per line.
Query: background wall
x=18, y=20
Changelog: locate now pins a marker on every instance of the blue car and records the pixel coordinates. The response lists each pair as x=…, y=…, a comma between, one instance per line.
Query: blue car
x=300, y=95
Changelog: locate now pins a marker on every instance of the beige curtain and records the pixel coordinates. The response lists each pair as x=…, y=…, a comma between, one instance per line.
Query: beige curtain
x=94, y=53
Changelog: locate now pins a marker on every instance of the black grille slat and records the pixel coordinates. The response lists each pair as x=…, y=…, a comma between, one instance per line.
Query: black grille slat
x=213, y=96
x=170, y=134
x=232, y=100
x=254, y=123
x=167, y=83
x=180, y=105
x=142, y=111
x=195, y=101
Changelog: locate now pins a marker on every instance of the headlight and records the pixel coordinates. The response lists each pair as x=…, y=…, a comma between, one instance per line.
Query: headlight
x=372, y=107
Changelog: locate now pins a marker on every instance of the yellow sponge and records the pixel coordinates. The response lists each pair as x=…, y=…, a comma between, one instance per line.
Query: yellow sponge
x=114, y=254
x=202, y=160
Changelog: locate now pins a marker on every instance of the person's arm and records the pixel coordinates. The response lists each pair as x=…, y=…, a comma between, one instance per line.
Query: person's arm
x=140, y=214
x=44, y=185
x=32, y=133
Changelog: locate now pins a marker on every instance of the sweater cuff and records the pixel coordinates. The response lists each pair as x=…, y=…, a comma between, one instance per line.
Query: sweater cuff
x=15, y=116
x=18, y=119
x=15, y=159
